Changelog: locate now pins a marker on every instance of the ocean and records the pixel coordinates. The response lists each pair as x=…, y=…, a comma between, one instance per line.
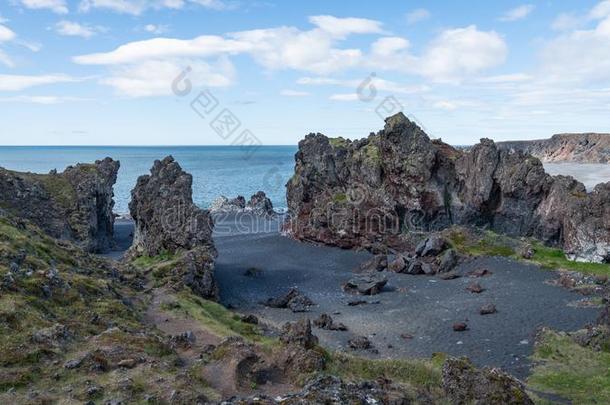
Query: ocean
x=216, y=170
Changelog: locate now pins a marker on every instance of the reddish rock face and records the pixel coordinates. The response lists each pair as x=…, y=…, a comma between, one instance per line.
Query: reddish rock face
x=585, y=148
x=367, y=193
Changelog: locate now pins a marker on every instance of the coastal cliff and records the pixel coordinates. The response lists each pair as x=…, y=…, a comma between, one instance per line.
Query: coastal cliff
x=582, y=148
x=75, y=205
x=372, y=192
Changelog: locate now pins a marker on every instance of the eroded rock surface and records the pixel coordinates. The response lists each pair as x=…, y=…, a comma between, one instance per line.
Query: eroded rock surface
x=465, y=384
x=259, y=204
x=75, y=205
x=358, y=194
x=168, y=222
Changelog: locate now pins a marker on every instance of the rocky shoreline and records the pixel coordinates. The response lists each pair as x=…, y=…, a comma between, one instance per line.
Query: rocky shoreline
x=316, y=324
x=582, y=148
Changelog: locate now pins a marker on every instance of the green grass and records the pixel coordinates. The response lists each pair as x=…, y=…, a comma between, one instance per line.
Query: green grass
x=555, y=259
x=564, y=368
x=150, y=261
x=340, y=198
x=338, y=142
x=412, y=372
x=214, y=317
x=488, y=243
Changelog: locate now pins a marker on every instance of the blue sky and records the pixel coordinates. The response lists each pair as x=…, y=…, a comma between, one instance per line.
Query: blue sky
x=100, y=72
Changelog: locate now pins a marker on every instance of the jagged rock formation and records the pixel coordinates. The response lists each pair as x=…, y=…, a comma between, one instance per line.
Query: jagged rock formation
x=583, y=148
x=75, y=205
x=371, y=191
x=168, y=222
x=259, y=204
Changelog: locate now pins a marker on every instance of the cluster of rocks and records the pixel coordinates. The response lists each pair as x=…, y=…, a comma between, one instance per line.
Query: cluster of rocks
x=370, y=192
x=75, y=205
x=259, y=204
x=293, y=300
x=582, y=148
x=168, y=222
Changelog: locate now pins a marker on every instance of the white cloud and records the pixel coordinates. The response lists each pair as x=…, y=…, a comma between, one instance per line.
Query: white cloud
x=294, y=93
x=567, y=21
x=518, y=13
x=417, y=15
x=47, y=100
x=6, y=34
x=56, y=6
x=21, y=82
x=155, y=77
x=156, y=28
x=581, y=56
x=137, y=7
x=344, y=97
x=378, y=83
x=74, y=29
x=461, y=52
x=445, y=105
x=509, y=78
x=342, y=27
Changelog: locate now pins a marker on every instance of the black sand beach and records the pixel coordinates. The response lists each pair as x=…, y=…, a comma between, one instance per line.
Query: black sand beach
x=423, y=307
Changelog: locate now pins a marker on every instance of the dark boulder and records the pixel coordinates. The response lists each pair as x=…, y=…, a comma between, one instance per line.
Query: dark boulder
x=360, y=343
x=299, y=333
x=368, y=284
x=293, y=300
x=488, y=309
x=376, y=263
x=325, y=321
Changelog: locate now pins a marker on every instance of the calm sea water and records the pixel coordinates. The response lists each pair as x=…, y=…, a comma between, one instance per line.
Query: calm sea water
x=216, y=170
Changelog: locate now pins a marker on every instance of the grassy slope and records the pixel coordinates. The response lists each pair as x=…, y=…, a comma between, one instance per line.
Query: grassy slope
x=58, y=284
x=491, y=244
x=571, y=371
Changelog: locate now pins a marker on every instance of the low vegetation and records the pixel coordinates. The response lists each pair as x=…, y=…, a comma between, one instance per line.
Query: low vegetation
x=576, y=373
x=487, y=243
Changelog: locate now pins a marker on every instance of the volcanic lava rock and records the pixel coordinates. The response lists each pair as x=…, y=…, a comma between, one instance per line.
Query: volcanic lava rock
x=359, y=194
x=475, y=288
x=367, y=284
x=259, y=204
x=464, y=384
x=299, y=333
x=75, y=205
x=325, y=321
x=460, y=327
x=376, y=263
x=360, y=343
x=293, y=300
x=488, y=309
x=167, y=221
x=165, y=216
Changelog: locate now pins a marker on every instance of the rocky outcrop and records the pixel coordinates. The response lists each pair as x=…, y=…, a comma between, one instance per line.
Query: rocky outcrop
x=259, y=204
x=75, y=205
x=583, y=148
x=465, y=384
x=168, y=222
x=376, y=190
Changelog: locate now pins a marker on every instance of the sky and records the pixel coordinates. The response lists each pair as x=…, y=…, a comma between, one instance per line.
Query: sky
x=210, y=72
